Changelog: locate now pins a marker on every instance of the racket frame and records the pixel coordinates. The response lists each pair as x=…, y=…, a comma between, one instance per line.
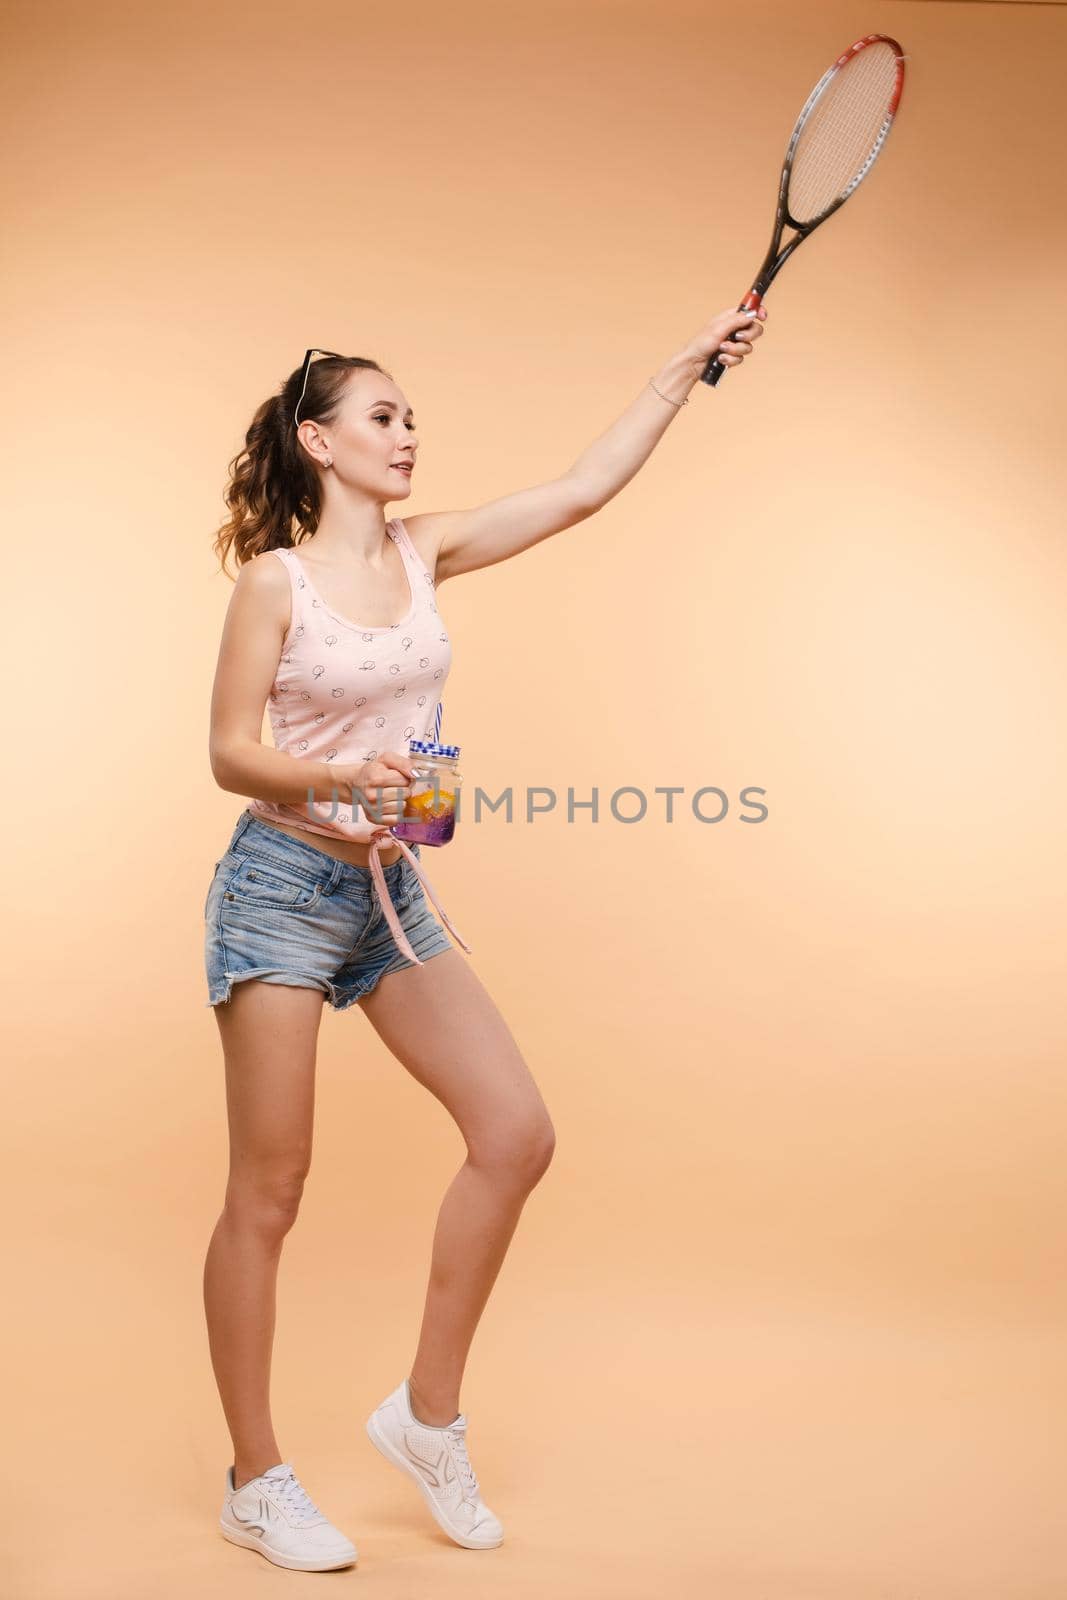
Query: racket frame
x=775, y=259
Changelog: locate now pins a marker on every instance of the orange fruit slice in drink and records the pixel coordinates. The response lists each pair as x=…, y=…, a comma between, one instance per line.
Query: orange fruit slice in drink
x=421, y=805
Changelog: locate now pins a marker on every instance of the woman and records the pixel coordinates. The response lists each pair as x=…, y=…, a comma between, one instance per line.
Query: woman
x=314, y=898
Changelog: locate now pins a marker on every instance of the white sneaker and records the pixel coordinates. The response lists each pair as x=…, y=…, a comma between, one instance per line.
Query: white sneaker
x=437, y=1460
x=274, y=1515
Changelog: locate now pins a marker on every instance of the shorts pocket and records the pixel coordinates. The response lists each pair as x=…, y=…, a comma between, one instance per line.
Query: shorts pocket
x=211, y=885
x=408, y=888
x=264, y=882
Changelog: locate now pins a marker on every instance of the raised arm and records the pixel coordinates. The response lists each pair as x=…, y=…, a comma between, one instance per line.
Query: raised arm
x=613, y=459
x=483, y=535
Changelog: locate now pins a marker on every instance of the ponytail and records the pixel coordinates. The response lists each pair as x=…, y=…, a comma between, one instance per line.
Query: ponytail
x=273, y=492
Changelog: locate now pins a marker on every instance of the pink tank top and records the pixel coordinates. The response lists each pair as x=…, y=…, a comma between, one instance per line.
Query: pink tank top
x=344, y=692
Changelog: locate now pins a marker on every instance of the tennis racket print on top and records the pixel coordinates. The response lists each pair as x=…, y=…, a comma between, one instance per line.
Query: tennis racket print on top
x=839, y=134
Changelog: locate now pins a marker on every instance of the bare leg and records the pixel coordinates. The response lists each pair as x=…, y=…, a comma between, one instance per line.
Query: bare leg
x=443, y=1026
x=269, y=1035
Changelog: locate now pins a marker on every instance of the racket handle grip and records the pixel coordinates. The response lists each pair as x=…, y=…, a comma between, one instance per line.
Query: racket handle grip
x=715, y=368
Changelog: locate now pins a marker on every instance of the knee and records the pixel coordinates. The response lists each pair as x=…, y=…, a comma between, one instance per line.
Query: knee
x=516, y=1152
x=540, y=1152
x=267, y=1199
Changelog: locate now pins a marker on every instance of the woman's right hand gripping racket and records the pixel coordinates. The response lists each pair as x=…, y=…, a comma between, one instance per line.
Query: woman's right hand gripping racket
x=838, y=135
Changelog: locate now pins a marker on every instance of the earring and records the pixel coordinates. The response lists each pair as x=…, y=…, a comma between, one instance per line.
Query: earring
x=329, y=461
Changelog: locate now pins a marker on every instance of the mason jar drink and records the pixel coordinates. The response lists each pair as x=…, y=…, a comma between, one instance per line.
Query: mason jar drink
x=429, y=815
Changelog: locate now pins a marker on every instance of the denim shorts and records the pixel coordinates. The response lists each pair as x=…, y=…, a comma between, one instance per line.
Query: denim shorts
x=283, y=912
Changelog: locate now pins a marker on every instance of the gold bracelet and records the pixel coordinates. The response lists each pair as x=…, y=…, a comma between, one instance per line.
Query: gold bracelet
x=667, y=397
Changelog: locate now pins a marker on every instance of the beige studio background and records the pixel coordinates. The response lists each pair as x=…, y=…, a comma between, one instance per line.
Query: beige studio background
x=784, y=1319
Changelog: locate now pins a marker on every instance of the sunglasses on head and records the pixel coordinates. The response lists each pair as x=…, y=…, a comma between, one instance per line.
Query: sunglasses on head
x=304, y=377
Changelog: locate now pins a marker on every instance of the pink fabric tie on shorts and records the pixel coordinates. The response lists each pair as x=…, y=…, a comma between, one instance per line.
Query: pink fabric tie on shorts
x=377, y=843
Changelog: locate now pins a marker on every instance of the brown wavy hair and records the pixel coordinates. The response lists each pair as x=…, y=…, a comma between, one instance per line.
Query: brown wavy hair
x=273, y=492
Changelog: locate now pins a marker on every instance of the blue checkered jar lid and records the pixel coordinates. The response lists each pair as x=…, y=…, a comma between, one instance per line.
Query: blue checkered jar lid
x=430, y=747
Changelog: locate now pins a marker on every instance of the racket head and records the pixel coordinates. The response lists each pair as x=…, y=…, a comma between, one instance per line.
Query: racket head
x=841, y=130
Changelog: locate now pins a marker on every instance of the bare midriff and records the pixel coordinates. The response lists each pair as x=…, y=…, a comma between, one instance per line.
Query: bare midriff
x=348, y=850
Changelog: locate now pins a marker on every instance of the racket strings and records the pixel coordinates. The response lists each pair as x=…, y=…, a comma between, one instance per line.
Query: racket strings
x=842, y=132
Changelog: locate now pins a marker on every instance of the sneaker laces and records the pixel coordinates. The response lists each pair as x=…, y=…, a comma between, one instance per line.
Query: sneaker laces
x=468, y=1479
x=294, y=1497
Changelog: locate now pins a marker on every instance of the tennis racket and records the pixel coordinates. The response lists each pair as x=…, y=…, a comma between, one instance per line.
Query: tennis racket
x=838, y=136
